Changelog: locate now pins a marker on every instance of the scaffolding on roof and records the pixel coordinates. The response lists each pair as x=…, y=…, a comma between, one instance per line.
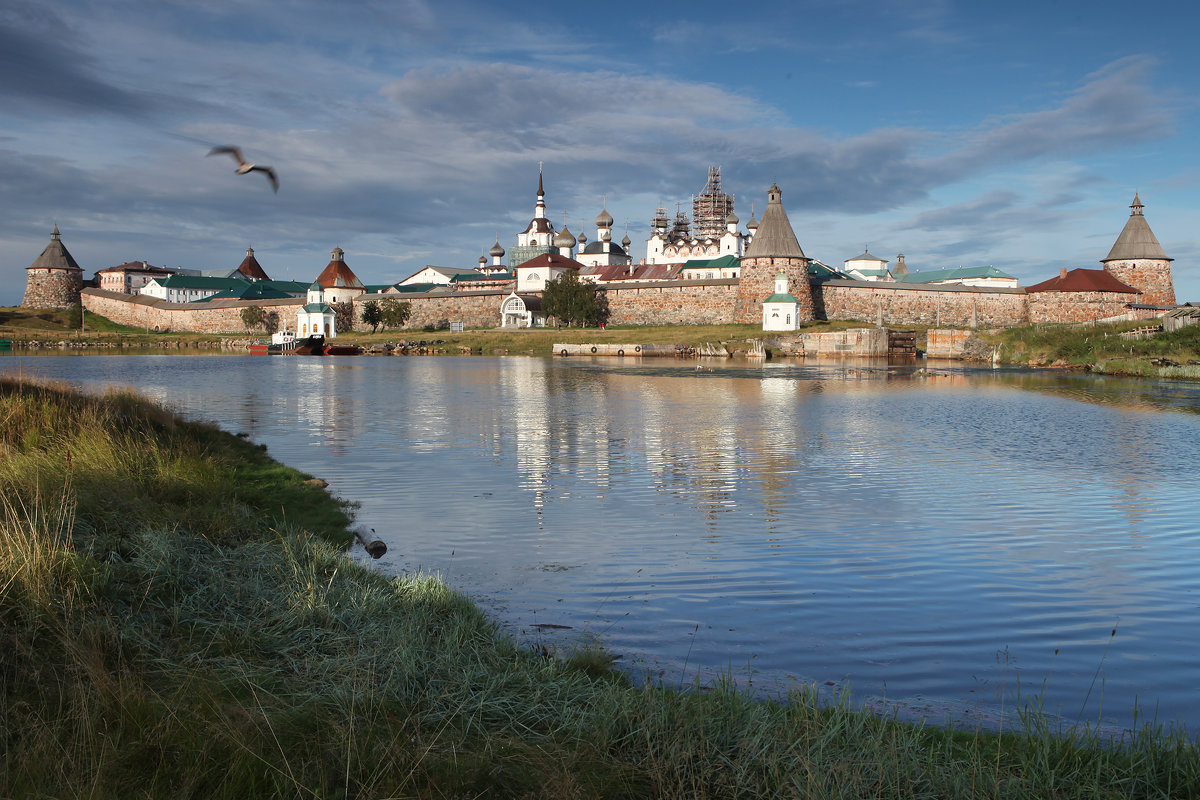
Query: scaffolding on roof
x=711, y=207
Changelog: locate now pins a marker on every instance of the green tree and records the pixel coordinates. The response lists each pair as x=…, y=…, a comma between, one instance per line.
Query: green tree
x=572, y=301
x=254, y=317
x=395, y=313
x=343, y=316
x=371, y=314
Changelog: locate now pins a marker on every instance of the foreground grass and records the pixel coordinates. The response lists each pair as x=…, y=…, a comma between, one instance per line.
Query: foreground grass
x=178, y=620
x=1101, y=348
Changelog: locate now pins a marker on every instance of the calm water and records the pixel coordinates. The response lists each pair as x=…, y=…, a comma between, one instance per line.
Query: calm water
x=931, y=543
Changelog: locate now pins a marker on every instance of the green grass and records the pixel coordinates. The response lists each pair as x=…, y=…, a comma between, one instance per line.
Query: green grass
x=173, y=624
x=1100, y=347
x=541, y=341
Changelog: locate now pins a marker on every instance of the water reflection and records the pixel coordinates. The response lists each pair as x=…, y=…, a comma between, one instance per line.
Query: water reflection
x=930, y=538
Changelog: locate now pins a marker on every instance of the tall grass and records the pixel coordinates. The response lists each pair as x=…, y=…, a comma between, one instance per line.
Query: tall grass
x=1098, y=346
x=155, y=645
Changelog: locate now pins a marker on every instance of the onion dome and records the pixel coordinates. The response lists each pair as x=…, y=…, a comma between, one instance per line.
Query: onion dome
x=497, y=251
x=564, y=239
x=732, y=219
x=483, y=261
x=582, y=239
x=625, y=242
x=604, y=219
x=752, y=225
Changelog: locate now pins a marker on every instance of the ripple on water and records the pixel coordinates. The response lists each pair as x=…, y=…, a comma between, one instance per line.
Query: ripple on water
x=935, y=542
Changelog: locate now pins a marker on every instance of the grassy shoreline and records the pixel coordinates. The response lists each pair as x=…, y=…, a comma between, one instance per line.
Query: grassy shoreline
x=179, y=620
x=1100, y=349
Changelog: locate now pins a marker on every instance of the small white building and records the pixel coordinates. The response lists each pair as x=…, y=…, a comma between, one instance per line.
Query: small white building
x=781, y=311
x=522, y=311
x=316, y=318
x=867, y=267
x=439, y=275
x=533, y=274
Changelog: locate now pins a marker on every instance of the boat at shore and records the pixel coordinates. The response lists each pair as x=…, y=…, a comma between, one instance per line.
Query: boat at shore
x=309, y=346
x=341, y=350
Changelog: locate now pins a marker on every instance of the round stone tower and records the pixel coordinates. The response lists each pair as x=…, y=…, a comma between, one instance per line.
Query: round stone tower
x=1138, y=260
x=54, y=280
x=772, y=251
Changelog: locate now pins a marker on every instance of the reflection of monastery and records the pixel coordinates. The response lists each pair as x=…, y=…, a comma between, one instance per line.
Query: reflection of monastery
x=700, y=269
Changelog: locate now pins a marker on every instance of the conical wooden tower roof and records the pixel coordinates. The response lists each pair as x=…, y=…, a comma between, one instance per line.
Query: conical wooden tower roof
x=1136, y=239
x=55, y=256
x=774, y=237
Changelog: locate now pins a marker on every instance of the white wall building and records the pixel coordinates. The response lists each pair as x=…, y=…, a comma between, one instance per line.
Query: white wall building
x=867, y=267
x=781, y=311
x=316, y=318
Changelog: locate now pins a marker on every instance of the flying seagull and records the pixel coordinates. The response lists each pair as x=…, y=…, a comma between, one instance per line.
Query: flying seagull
x=245, y=166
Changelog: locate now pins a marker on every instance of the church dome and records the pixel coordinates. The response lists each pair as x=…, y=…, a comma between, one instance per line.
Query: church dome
x=732, y=219
x=497, y=251
x=604, y=219
x=564, y=238
x=625, y=242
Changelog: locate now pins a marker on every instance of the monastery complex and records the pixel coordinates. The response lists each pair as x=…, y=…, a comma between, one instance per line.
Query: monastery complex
x=698, y=270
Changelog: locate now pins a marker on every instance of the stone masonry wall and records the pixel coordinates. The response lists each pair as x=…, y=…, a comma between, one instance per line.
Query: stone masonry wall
x=668, y=303
x=1077, y=306
x=219, y=316
x=1151, y=275
x=892, y=304
x=684, y=302
x=473, y=309
x=758, y=283
x=52, y=288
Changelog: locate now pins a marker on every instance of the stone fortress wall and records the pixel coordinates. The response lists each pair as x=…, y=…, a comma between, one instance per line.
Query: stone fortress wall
x=1136, y=260
x=699, y=302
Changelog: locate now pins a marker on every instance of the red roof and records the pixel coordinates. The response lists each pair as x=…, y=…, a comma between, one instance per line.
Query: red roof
x=552, y=260
x=137, y=266
x=1083, y=280
x=634, y=272
x=251, y=269
x=337, y=275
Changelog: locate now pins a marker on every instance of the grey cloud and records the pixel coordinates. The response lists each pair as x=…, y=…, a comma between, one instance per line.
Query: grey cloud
x=970, y=213
x=44, y=66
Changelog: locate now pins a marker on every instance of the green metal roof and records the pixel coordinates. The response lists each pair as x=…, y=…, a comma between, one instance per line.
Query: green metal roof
x=819, y=270
x=712, y=263
x=781, y=298
x=961, y=273
x=317, y=308
x=253, y=291
x=296, y=288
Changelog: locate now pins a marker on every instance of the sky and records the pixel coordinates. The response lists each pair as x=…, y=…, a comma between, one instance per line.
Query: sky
x=410, y=133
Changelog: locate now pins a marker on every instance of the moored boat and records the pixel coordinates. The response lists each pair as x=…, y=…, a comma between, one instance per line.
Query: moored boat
x=342, y=350
x=282, y=343
x=310, y=346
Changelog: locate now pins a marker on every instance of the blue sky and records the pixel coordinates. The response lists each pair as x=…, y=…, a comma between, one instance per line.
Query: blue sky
x=409, y=133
